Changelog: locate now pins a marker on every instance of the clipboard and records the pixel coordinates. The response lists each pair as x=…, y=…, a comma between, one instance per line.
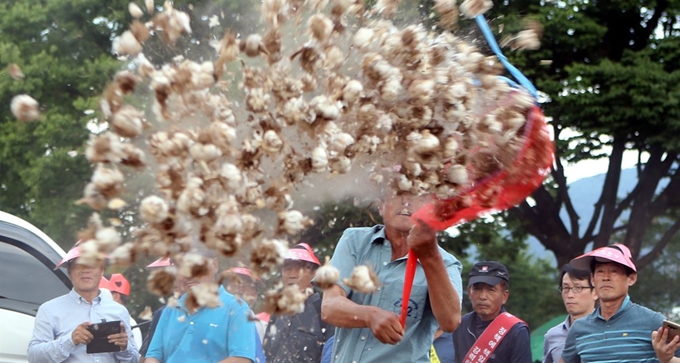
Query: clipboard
x=100, y=342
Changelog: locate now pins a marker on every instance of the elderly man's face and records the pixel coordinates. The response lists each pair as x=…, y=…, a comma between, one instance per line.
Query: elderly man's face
x=488, y=300
x=611, y=282
x=85, y=278
x=298, y=273
x=396, y=211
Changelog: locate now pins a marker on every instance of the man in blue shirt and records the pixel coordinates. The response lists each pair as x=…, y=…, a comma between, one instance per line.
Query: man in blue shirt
x=222, y=334
x=618, y=330
x=368, y=327
x=61, y=325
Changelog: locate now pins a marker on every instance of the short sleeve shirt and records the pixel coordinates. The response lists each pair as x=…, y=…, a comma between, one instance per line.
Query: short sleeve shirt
x=369, y=246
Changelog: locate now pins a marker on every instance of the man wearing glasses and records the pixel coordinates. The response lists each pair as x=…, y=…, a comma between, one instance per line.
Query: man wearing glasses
x=579, y=298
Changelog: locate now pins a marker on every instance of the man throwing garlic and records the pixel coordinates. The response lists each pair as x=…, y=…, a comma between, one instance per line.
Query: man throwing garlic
x=368, y=327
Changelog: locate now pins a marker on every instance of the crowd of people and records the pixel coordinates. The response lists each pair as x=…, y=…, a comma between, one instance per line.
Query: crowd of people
x=343, y=325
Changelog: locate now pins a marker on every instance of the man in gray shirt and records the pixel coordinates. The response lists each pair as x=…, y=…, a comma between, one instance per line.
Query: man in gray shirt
x=579, y=299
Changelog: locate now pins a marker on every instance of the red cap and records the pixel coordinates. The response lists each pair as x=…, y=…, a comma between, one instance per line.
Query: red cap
x=118, y=283
x=245, y=272
x=614, y=253
x=161, y=262
x=104, y=283
x=302, y=252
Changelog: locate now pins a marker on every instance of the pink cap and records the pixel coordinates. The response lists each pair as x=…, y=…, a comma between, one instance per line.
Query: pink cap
x=161, y=262
x=614, y=253
x=244, y=271
x=302, y=252
x=72, y=254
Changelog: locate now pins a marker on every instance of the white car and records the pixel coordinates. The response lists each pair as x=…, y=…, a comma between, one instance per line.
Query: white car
x=27, y=279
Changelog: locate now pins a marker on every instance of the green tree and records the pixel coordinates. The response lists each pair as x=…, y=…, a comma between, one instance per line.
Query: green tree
x=63, y=48
x=613, y=79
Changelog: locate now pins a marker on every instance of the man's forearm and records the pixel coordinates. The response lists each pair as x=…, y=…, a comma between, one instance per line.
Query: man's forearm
x=444, y=299
x=341, y=312
x=151, y=360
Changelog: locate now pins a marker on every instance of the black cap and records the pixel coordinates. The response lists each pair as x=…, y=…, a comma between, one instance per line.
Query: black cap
x=488, y=272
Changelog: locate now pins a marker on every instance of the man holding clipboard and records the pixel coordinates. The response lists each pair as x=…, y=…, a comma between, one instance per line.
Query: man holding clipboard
x=81, y=326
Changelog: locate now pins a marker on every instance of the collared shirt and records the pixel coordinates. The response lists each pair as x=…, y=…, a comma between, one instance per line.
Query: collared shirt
x=553, y=344
x=368, y=246
x=58, y=318
x=209, y=335
x=625, y=337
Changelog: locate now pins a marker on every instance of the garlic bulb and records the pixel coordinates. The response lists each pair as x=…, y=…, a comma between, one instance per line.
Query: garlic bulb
x=362, y=280
x=293, y=222
x=326, y=277
x=319, y=159
x=135, y=10
x=127, y=122
x=153, y=209
x=25, y=108
x=457, y=174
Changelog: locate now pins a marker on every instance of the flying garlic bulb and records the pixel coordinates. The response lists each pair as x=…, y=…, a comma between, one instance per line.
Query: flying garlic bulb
x=293, y=222
x=319, y=159
x=326, y=276
x=340, y=142
x=457, y=174
x=135, y=10
x=324, y=108
x=527, y=40
x=362, y=280
x=25, y=108
x=232, y=176
x=363, y=38
x=107, y=239
x=108, y=181
x=271, y=142
x=472, y=8
x=288, y=300
x=127, y=122
x=153, y=209
x=352, y=91
x=253, y=46
x=204, y=294
x=127, y=44
x=161, y=282
x=268, y=255
x=320, y=27
x=15, y=72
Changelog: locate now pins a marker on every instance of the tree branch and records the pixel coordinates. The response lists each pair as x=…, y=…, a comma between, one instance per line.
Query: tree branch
x=609, y=191
x=659, y=247
x=645, y=206
x=652, y=23
x=563, y=193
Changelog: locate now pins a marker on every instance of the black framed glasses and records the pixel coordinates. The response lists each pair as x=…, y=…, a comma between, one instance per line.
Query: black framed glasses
x=575, y=289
